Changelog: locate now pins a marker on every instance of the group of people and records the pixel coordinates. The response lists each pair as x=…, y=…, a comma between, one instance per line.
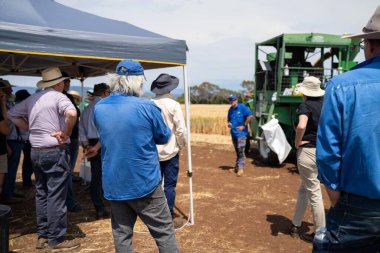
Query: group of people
x=338, y=144
x=137, y=141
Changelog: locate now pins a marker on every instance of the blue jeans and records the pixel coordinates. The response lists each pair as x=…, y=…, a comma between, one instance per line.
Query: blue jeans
x=13, y=162
x=169, y=172
x=239, y=145
x=153, y=211
x=354, y=226
x=51, y=168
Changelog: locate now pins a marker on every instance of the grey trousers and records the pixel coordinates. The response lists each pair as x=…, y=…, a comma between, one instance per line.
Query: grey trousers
x=153, y=211
x=310, y=189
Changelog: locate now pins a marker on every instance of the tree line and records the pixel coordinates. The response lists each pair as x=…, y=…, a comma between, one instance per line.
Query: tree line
x=208, y=93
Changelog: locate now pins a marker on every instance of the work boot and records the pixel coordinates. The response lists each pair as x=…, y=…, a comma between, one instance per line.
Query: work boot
x=307, y=237
x=42, y=243
x=64, y=246
x=239, y=172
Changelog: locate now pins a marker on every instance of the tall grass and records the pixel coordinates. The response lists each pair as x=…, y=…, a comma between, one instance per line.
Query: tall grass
x=208, y=119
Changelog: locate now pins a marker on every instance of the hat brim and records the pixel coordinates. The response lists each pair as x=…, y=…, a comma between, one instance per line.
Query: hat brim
x=311, y=93
x=42, y=85
x=371, y=36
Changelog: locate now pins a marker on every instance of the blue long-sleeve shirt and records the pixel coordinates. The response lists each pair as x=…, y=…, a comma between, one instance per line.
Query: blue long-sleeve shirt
x=129, y=129
x=348, y=142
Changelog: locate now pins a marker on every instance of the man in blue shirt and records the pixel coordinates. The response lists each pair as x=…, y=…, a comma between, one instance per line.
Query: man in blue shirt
x=348, y=152
x=129, y=129
x=239, y=117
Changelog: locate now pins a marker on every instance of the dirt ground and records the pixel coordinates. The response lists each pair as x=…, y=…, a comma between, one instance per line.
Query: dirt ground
x=247, y=214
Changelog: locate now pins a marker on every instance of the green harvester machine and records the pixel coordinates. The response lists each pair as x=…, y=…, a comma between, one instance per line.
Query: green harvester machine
x=280, y=64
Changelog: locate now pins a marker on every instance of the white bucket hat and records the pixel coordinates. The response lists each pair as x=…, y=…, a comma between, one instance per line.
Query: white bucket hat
x=50, y=77
x=372, y=29
x=311, y=87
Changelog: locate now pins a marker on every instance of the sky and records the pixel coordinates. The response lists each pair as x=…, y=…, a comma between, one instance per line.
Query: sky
x=221, y=34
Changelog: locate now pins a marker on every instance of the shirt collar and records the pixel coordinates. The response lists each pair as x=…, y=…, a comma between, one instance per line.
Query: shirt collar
x=367, y=62
x=167, y=95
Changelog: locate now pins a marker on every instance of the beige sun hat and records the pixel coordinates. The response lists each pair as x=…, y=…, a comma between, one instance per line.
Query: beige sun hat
x=311, y=87
x=371, y=30
x=50, y=77
x=74, y=93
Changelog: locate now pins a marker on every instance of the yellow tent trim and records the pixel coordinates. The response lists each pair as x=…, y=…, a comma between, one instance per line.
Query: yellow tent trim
x=88, y=57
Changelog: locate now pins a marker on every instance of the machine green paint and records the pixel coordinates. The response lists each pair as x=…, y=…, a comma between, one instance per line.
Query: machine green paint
x=280, y=64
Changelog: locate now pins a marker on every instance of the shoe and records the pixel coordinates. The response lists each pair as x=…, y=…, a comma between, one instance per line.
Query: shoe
x=295, y=231
x=102, y=214
x=75, y=209
x=64, y=246
x=178, y=223
x=42, y=243
x=240, y=172
x=307, y=237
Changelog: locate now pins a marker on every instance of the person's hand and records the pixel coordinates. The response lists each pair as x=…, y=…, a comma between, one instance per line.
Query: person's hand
x=61, y=136
x=229, y=125
x=91, y=151
x=240, y=128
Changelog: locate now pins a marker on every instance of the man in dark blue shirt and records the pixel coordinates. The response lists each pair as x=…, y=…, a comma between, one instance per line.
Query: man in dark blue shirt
x=348, y=152
x=239, y=117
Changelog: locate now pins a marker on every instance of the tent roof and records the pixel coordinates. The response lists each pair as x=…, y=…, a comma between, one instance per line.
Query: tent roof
x=35, y=34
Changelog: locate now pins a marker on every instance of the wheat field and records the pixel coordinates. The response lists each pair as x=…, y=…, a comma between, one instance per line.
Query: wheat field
x=208, y=119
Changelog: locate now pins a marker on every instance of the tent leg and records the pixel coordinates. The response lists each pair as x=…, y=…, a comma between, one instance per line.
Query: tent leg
x=189, y=165
x=82, y=90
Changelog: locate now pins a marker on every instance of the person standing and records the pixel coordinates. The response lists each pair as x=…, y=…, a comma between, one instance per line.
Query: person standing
x=348, y=152
x=16, y=144
x=169, y=153
x=89, y=136
x=73, y=149
x=306, y=137
x=50, y=117
x=129, y=129
x=239, y=117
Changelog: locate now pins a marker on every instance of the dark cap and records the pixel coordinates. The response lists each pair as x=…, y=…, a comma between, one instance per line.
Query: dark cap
x=21, y=95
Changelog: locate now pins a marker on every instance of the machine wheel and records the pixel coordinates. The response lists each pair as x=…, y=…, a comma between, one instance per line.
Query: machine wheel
x=266, y=154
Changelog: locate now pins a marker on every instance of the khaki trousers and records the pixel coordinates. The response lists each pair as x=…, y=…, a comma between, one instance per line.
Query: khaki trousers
x=310, y=189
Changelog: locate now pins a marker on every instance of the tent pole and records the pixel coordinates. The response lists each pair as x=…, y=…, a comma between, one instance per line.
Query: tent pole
x=81, y=108
x=189, y=165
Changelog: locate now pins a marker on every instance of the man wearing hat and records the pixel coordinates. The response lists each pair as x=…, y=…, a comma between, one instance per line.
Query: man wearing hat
x=50, y=117
x=348, y=151
x=169, y=153
x=306, y=134
x=238, y=118
x=129, y=130
x=89, y=136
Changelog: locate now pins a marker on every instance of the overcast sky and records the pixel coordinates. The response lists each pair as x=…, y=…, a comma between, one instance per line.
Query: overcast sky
x=221, y=34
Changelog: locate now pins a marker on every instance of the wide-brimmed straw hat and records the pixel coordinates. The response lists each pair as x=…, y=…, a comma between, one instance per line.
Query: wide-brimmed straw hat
x=311, y=87
x=50, y=77
x=75, y=94
x=371, y=30
x=164, y=84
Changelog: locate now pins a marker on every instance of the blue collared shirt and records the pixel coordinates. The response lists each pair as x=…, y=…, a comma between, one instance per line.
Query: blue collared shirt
x=129, y=129
x=348, y=141
x=237, y=117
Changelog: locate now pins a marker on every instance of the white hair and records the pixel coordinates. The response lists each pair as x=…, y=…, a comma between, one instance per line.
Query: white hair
x=130, y=85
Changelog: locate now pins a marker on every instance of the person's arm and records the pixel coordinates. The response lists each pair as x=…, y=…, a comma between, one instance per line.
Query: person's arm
x=248, y=118
x=70, y=120
x=300, y=130
x=179, y=127
x=4, y=129
x=329, y=141
x=19, y=114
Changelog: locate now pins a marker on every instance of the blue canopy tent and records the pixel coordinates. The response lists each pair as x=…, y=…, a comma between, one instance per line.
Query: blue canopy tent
x=36, y=34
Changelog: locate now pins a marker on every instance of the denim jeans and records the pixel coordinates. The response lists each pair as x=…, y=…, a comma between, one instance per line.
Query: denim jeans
x=27, y=168
x=169, y=172
x=153, y=211
x=353, y=225
x=13, y=162
x=51, y=168
x=239, y=145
